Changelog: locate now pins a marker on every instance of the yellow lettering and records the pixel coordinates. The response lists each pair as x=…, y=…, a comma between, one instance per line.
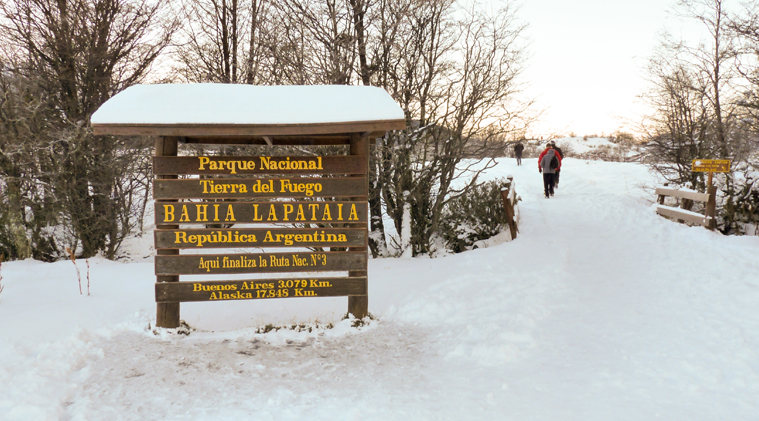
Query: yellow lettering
x=202, y=215
x=230, y=214
x=256, y=217
x=313, y=207
x=168, y=213
x=180, y=235
x=206, y=185
x=203, y=161
x=326, y=216
x=354, y=214
x=300, y=216
x=185, y=217
x=272, y=213
x=288, y=209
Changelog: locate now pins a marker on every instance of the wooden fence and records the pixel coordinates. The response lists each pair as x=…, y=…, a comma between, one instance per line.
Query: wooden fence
x=683, y=214
x=509, y=196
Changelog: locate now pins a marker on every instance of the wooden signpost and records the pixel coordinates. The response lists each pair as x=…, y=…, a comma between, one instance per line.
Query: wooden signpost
x=711, y=166
x=315, y=206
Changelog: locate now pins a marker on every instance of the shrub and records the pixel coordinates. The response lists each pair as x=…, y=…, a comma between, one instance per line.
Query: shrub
x=476, y=215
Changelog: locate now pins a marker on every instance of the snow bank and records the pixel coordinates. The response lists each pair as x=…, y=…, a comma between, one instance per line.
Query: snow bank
x=600, y=309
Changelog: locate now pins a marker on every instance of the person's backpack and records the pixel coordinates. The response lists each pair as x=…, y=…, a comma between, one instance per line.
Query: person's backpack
x=554, y=162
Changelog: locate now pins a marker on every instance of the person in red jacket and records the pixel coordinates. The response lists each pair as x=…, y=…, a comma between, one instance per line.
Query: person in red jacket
x=544, y=166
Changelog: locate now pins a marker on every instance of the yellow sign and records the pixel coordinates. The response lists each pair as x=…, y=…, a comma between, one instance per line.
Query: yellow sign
x=711, y=165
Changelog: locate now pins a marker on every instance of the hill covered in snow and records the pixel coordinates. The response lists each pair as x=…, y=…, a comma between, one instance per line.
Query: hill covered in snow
x=600, y=309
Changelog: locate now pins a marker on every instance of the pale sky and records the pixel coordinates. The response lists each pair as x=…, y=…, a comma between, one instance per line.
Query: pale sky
x=588, y=58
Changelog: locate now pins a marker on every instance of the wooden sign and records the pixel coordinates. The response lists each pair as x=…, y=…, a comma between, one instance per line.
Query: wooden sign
x=234, y=165
x=260, y=237
x=216, y=264
x=261, y=212
x=243, y=188
x=253, y=289
x=711, y=165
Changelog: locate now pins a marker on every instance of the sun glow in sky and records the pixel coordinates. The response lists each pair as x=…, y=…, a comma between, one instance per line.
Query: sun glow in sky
x=587, y=61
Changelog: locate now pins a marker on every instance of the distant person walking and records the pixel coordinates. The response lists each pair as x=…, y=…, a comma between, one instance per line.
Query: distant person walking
x=558, y=172
x=548, y=162
x=518, y=148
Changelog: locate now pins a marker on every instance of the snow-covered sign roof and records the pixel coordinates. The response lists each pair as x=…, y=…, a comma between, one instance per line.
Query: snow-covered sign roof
x=210, y=109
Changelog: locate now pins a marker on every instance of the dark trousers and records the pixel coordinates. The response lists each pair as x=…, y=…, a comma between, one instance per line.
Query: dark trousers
x=519, y=158
x=548, y=180
x=556, y=178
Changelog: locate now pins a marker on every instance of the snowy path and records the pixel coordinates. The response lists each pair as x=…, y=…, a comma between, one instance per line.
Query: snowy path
x=599, y=310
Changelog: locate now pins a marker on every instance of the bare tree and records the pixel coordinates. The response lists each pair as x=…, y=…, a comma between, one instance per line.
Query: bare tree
x=223, y=41
x=697, y=112
x=81, y=53
x=458, y=83
x=678, y=130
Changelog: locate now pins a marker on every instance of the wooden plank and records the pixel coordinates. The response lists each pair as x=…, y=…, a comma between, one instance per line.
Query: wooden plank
x=205, y=165
x=252, y=289
x=317, y=212
x=245, y=188
x=213, y=264
x=259, y=237
x=320, y=140
x=698, y=197
x=192, y=130
x=681, y=214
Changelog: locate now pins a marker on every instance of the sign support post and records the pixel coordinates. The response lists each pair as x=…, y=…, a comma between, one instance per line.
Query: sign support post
x=358, y=305
x=711, y=166
x=167, y=314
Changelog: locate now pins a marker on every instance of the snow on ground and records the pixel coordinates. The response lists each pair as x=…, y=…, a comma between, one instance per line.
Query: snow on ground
x=599, y=310
x=582, y=145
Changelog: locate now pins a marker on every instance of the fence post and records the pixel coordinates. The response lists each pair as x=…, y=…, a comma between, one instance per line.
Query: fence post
x=661, y=196
x=506, y=194
x=711, y=208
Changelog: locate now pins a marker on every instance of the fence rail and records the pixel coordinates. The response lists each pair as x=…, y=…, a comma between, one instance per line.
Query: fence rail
x=683, y=214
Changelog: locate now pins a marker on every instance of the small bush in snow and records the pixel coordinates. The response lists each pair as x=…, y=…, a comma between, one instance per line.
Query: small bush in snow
x=477, y=215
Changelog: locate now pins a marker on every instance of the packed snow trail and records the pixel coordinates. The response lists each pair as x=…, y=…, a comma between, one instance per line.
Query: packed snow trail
x=599, y=310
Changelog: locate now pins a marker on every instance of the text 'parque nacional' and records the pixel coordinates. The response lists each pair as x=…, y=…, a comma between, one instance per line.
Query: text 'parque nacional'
x=234, y=165
x=265, y=163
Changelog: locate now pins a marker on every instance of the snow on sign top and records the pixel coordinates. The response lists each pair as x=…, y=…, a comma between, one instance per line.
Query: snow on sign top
x=192, y=109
